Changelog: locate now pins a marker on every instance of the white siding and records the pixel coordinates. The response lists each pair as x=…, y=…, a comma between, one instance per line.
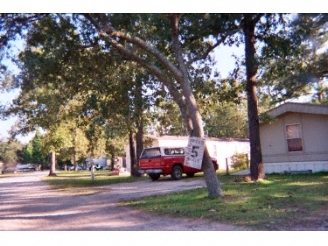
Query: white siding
x=281, y=167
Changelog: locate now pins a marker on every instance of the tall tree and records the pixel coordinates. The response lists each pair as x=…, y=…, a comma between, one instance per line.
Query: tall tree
x=299, y=67
x=165, y=118
x=38, y=157
x=54, y=140
x=227, y=120
x=28, y=153
x=174, y=75
x=10, y=151
x=271, y=33
x=32, y=152
x=167, y=46
x=256, y=165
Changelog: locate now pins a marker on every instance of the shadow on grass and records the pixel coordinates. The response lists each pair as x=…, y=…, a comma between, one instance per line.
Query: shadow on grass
x=283, y=202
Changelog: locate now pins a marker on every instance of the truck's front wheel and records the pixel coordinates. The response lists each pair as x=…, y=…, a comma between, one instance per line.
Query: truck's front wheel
x=176, y=173
x=154, y=176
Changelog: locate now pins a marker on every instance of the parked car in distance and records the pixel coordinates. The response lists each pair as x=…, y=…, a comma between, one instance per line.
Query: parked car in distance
x=26, y=167
x=62, y=167
x=10, y=170
x=71, y=167
x=97, y=167
x=79, y=167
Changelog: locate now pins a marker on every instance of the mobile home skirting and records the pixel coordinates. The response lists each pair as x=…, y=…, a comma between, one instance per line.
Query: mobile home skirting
x=282, y=167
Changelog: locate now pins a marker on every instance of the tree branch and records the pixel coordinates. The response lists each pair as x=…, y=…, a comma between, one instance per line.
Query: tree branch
x=169, y=83
x=108, y=30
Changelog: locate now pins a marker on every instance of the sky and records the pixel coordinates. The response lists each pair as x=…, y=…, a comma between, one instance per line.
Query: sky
x=5, y=125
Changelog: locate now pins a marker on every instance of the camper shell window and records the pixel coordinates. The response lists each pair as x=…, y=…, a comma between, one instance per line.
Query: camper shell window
x=174, y=151
x=151, y=153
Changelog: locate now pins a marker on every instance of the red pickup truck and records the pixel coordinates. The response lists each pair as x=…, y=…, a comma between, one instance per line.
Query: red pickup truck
x=159, y=161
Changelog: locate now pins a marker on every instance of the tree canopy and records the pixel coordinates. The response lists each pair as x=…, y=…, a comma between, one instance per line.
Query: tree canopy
x=106, y=72
x=11, y=151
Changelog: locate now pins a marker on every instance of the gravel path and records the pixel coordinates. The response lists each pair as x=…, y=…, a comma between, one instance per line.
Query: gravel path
x=28, y=204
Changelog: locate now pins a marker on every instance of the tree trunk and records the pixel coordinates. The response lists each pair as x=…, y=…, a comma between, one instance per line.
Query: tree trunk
x=112, y=158
x=74, y=149
x=74, y=159
x=211, y=179
x=92, y=172
x=256, y=165
x=194, y=116
x=134, y=171
x=52, y=163
x=139, y=110
x=139, y=142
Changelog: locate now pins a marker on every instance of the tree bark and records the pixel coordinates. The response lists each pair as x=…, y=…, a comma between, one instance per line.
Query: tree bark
x=74, y=159
x=134, y=171
x=139, y=121
x=52, y=163
x=197, y=130
x=256, y=164
x=139, y=142
x=112, y=156
x=74, y=150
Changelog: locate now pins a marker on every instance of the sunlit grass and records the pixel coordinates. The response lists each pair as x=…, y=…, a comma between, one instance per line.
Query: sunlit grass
x=279, y=203
x=67, y=180
x=12, y=174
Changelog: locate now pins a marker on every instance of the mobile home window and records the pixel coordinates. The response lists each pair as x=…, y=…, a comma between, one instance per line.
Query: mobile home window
x=293, y=136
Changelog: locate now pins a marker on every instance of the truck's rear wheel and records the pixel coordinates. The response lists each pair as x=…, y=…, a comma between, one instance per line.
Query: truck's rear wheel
x=154, y=176
x=176, y=173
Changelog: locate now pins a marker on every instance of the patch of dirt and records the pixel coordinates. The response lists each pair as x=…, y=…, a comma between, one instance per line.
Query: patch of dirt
x=317, y=222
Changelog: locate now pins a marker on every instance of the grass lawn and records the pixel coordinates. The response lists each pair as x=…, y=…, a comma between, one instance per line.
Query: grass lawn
x=283, y=202
x=72, y=179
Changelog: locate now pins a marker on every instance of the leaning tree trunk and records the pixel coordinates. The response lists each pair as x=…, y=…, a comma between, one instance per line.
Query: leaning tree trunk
x=52, y=163
x=256, y=165
x=193, y=120
x=211, y=179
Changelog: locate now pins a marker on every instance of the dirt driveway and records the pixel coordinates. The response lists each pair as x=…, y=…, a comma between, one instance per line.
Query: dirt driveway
x=28, y=204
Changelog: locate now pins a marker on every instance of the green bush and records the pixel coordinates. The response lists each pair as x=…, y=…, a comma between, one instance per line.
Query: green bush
x=239, y=161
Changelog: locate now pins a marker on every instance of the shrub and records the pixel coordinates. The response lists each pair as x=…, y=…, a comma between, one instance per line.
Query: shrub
x=239, y=161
